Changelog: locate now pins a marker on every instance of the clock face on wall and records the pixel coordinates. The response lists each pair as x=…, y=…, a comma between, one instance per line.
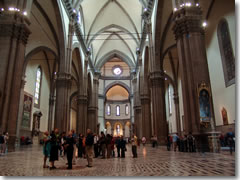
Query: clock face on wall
x=117, y=70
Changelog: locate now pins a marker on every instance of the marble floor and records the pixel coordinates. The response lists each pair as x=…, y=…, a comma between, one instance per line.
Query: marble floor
x=150, y=162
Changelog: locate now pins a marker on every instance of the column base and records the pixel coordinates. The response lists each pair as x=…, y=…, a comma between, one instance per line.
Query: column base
x=11, y=143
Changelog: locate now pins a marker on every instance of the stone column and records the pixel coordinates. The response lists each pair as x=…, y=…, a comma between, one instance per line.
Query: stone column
x=191, y=48
x=50, y=113
x=137, y=109
x=93, y=106
x=82, y=114
x=14, y=34
x=158, y=106
x=146, y=117
x=177, y=112
x=63, y=86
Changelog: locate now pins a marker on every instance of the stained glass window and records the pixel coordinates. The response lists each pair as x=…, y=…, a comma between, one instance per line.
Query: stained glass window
x=170, y=100
x=228, y=59
x=108, y=110
x=127, y=110
x=118, y=110
x=118, y=129
x=37, y=86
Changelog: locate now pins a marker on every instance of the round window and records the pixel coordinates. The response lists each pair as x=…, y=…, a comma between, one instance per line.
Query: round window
x=117, y=70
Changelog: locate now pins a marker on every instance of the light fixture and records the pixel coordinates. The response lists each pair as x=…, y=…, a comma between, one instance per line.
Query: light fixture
x=197, y=4
x=175, y=9
x=2, y=9
x=25, y=13
x=145, y=9
x=165, y=79
x=74, y=11
x=11, y=9
x=165, y=71
x=204, y=24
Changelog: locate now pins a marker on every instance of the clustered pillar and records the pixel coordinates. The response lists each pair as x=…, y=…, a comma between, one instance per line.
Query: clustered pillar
x=14, y=33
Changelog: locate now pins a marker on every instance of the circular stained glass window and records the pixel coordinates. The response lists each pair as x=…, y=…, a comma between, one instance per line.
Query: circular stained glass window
x=117, y=70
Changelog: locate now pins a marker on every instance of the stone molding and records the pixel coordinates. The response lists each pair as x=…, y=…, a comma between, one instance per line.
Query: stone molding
x=187, y=20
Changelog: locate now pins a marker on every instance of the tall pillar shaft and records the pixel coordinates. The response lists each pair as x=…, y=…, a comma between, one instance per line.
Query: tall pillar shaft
x=177, y=112
x=193, y=62
x=146, y=117
x=14, y=33
x=62, y=113
x=93, y=107
x=82, y=114
x=63, y=86
x=158, y=107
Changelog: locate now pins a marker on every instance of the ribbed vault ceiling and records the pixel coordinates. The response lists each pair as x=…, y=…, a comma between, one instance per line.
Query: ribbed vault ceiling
x=111, y=27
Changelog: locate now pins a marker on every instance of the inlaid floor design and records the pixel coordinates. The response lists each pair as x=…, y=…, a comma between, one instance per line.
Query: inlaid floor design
x=150, y=162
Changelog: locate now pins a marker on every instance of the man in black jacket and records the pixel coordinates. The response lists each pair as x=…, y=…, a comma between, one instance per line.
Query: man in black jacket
x=69, y=147
x=89, y=147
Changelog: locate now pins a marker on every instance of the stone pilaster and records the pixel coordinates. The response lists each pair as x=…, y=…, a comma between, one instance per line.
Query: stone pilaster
x=158, y=106
x=14, y=34
x=193, y=62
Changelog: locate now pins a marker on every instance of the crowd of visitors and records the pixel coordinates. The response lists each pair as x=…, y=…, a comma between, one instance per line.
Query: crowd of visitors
x=3, y=143
x=89, y=147
x=184, y=143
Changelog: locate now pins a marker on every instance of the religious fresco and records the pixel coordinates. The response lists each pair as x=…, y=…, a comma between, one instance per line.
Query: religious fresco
x=204, y=104
x=224, y=116
x=27, y=110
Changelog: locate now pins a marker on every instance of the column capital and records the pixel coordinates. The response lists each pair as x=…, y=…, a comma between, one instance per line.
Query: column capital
x=14, y=29
x=156, y=78
x=82, y=99
x=64, y=78
x=187, y=20
x=144, y=99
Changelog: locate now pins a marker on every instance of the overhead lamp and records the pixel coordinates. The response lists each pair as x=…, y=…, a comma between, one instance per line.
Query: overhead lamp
x=204, y=24
x=25, y=13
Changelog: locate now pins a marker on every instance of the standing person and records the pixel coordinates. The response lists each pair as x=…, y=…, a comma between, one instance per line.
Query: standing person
x=122, y=147
x=112, y=146
x=69, y=146
x=5, y=148
x=175, y=140
x=84, y=147
x=144, y=141
x=185, y=143
x=74, y=135
x=89, y=147
x=102, y=142
x=169, y=142
x=46, y=148
x=1, y=143
x=95, y=145
x=190, y=142
x=231, y=140
x=80, y=145
x=134, y=145
x=54, y=148
x=108, y=144
x=118, y=145
x=153, y=142
x=63, y=141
